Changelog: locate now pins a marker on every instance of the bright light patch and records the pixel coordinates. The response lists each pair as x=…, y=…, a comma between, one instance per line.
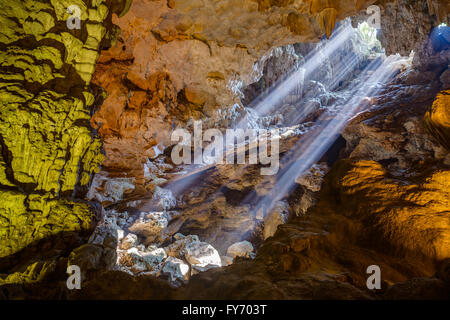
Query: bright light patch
x=310, y=149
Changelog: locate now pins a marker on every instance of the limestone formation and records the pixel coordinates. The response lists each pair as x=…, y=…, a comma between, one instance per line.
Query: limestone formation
x=87, y=178
x=178, y=60
x=129, y=241
x=139, y=260
x=150, y=225
x=176, y=249
x=48, y=150
x=312, y=180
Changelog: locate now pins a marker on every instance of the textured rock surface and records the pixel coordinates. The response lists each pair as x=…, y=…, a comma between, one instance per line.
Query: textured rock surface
x=218, y=207
x=48, y=150
x=419, y=289
x=437, y=119
x=202, y=256
x=387, y=204
x=277, y=216
x=312, y=179
x=177, y=60
x=240, y=249
x=129, y=241
x=408, y=17
x=176, y=269
x=410, y=214
x=107, y=190
x=393, y=132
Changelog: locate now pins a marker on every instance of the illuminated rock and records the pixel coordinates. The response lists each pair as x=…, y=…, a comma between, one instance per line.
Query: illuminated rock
x=240, y=249
x=202, y=256
x=138, y=260
x=176, y=269
x=437, y=119
x=150, y=225
x=191, y=59
x=176, y=249
x=412, y=217
x=278, y=215
x=129, y=241
x=226, y=260
x=313, y=178
x=164, y=199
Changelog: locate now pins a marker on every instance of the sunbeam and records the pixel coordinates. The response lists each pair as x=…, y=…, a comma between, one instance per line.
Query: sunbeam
x=265, y=104
x=277, y=92
x=310, y=149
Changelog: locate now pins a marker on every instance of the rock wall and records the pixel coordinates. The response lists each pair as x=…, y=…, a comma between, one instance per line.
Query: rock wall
x=406, y=24
x=437, y=119
x=48, y=149
x=177, y=60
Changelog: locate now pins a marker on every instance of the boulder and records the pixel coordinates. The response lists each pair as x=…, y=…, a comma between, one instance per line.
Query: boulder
x=129, y=242
x=445, y=79
x=437, y=119
x=240, y=249
x=109, y=190
x=109, y=232
x=150, y=225
x=202, y=256
x=106, y=236
x=177, y=270
x=176, y=249
x=141, y=261
x=194, y=96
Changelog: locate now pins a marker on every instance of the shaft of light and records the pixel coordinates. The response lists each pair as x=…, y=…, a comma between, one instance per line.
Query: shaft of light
x=312, y=61
x=349, y=65
x=310, y=150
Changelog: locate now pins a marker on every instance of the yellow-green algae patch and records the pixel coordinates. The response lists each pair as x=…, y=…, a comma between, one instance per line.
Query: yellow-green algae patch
x=25, y=219
x=33, y=273
x=48, y=150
